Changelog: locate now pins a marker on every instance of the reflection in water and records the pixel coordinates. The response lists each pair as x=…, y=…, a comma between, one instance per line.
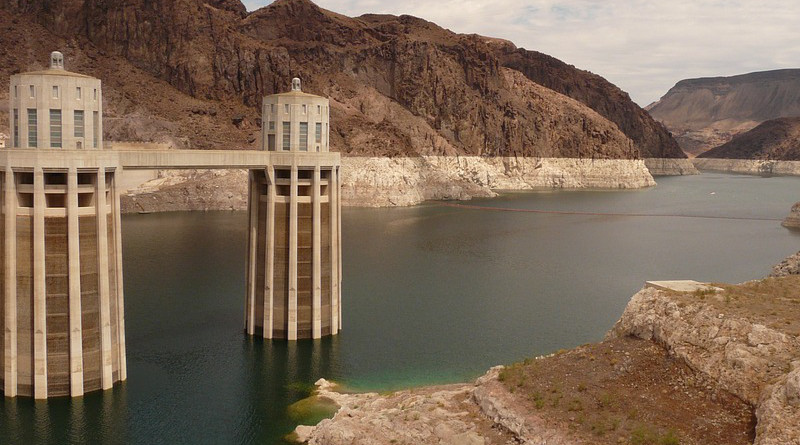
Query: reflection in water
x=430, y=294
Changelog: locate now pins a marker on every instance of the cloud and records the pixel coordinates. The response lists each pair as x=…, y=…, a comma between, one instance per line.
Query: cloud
x=642, y=46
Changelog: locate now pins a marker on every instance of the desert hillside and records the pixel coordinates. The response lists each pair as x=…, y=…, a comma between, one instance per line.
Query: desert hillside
x=192, y=73
x=707, y=112
x=776, y=139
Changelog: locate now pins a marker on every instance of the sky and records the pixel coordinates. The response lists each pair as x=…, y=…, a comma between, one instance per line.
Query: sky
x=642, y=46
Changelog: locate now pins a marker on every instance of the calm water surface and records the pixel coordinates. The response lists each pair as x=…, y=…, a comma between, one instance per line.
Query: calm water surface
x=431, y=294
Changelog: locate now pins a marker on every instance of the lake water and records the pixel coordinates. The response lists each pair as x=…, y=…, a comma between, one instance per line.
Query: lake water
x=431, y=294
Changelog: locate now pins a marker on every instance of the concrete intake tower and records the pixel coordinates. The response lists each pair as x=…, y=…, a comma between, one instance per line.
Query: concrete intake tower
x=62, y=316
x=62, y=321
x=294, y=262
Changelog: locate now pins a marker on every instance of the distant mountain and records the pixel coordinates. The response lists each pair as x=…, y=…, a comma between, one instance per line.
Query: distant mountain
x=193, y=72
x=707, y=112
x=776, y=139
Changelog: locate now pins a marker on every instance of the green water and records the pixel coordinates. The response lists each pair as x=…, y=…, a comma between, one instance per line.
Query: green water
x=431, y=294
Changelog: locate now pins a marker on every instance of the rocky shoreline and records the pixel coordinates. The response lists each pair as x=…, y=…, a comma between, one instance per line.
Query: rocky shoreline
x=724, y=357
x=748, y=166
x=398, y=181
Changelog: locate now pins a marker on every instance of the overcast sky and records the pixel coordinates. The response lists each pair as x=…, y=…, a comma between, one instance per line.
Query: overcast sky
x=642, y=46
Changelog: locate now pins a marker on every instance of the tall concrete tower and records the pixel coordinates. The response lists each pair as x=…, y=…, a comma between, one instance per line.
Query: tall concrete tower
x=294, y=261
x=62, y=317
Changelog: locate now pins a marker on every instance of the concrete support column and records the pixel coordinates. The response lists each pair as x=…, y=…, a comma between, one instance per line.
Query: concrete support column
x=333, y=199
x=339, y=243
x=252, y=238
x=103, y=281
x=291, y=333
x=316, y=302
x=117, y=219
x=39, y=289
x=270, y=253
x=73, y=256
x=10, y=337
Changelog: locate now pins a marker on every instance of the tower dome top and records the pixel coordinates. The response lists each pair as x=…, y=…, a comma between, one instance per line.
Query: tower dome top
x=56, y=60
x=296, y=84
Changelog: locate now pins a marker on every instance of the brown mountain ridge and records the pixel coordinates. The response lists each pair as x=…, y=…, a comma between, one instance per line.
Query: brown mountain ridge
x=707, y=112
x=774, y=140
x=192, y=73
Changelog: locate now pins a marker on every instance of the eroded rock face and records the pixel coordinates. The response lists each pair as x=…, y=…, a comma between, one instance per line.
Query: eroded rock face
x=748, y=359
x=779, y=412
x=789, y=266
x=400, y=181
x=670, y=167
x=398, y=85
x=651, y=137
x=437, y=416
x=793, y=220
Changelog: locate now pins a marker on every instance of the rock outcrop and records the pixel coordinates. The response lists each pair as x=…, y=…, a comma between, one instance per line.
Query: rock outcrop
x=793, y=220
x=789, y=266
x=707, y=112
x=759, y=364
x=399, y=181
x=776, y=140
x=444, y=415
x=193, y=72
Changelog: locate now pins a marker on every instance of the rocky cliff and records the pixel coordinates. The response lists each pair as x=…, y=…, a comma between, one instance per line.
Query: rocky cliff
x=707, y=112
x=192, y=73
x=776, y=139
x=601, y=95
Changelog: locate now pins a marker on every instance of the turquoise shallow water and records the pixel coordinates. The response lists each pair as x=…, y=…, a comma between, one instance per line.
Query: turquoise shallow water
x=431, y=294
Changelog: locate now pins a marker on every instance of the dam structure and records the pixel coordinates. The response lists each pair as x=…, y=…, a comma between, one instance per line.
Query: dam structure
x=62, y=317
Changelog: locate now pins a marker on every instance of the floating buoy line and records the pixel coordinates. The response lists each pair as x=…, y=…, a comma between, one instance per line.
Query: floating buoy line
x=569, y=212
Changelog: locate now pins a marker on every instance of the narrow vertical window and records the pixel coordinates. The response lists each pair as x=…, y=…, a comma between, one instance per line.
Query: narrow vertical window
x=305, y=109
x=95, y=128
x=272, y=108
x=33, y=91
x=55, y=92
x=78, y=93
x=271, y=125
x=319, y=109
x=79, y=124
x=16, y=127
x=15, y=91
x=318, y=133
x=287, y=135
x=32, y=128
x=304, y=136
x=95, y=94
x=271, y=142
x=55, y=128
x=286, y=108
